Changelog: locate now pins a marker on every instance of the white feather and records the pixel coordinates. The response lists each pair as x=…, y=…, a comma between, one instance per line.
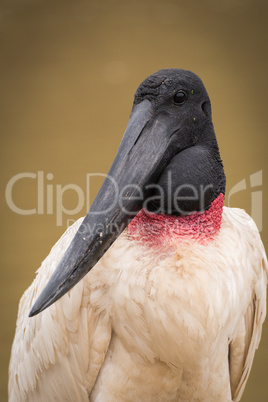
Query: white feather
x=178, y=325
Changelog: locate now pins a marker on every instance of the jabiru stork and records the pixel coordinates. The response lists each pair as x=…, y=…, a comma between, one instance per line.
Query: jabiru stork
x=174, y=306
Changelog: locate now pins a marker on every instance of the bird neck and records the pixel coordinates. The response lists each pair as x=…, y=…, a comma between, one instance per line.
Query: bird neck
x=160, y=229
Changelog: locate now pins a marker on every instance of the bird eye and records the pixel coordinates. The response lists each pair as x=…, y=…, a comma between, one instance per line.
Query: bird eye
x=180, y=97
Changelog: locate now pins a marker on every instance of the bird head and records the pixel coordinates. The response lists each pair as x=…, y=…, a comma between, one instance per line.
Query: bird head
x=168, y=162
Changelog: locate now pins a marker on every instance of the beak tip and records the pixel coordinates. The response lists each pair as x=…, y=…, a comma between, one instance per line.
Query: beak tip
x=37, y=308
x=42, y=303
x=33, y=312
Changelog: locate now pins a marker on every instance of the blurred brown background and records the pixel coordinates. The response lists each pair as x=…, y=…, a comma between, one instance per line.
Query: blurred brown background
x=68, y=72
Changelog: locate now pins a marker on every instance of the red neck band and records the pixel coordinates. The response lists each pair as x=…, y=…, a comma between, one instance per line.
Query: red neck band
x=159, y=229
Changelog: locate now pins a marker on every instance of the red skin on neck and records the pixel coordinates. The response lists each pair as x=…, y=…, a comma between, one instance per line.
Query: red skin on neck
x=159, y=229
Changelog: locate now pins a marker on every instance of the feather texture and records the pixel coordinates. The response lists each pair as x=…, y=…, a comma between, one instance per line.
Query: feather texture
x=179, y=324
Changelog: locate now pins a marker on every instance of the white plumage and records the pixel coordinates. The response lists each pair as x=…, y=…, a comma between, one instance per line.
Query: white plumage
x=147, y=325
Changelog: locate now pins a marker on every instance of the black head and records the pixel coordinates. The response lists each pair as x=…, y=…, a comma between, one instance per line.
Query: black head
x=192, y=175
x=172, y=87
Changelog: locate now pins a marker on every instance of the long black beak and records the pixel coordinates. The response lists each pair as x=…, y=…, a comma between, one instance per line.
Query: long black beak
x=139, y=161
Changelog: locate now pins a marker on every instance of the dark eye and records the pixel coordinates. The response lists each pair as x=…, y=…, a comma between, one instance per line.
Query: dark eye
x=180, y=97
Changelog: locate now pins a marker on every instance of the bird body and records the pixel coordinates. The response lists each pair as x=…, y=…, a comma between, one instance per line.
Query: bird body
x=147, y=324
x=173, y=307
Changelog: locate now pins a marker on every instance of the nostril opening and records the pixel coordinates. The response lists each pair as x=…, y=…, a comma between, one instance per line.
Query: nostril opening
x=206, y=108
